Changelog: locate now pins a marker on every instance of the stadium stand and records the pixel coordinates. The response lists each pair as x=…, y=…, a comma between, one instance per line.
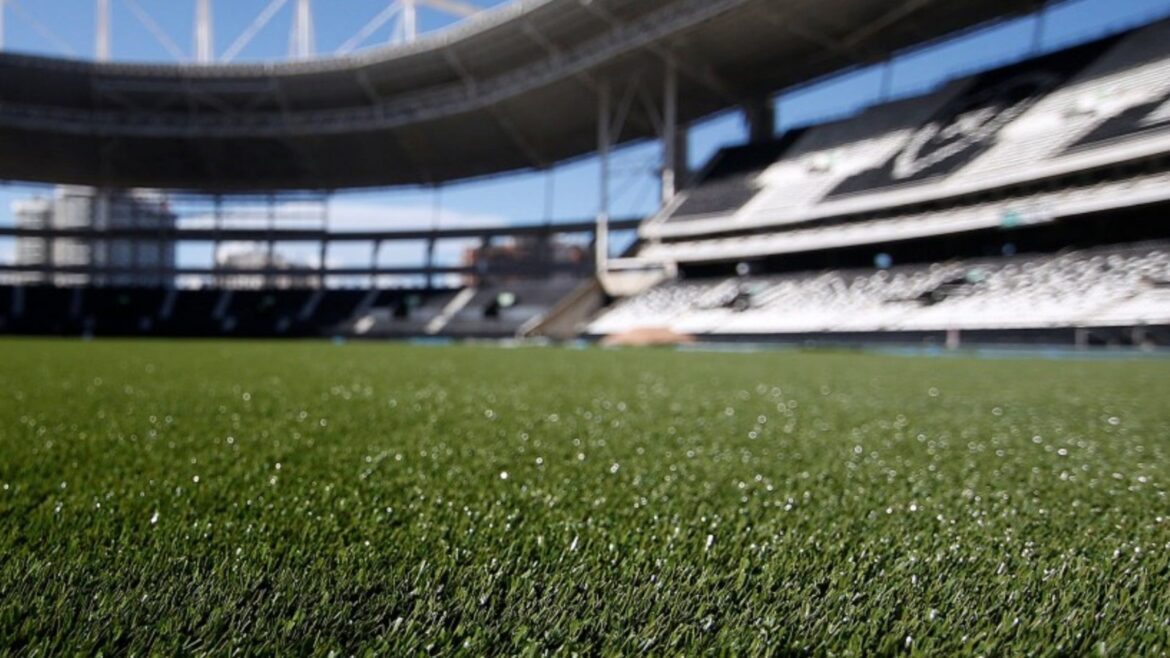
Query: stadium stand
x=1030, y=198
x=491, y=311
x=730, y=180
x=1064, y=157
x=1082, y=194
x=1100, y=287
x=1098, y=104
x=502, y=310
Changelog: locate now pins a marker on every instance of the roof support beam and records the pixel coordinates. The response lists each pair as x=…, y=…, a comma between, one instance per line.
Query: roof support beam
x=904, y=9
x=363, y=80
x=503, y=121
x=623, y=110
x=517, y=138
x=556, y=54
x=155, y=30
x=262, y=19
x=789, y=22
x=370, y=28
x=703, y=76
x=453, y=7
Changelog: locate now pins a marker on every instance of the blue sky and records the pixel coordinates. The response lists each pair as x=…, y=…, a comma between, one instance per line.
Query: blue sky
x=66, y=27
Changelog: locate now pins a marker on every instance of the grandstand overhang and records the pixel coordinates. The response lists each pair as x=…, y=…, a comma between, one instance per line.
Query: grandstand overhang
x=517, y=88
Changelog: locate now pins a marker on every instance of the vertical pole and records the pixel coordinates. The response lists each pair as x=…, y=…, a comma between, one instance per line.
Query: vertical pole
x=430, y=262
x=377, y=251
x=409, y=20
x=302, y=36
x=761, y=119
x=670, y=155
x=2, y=3
x=166, y=250
x=204, y=34
x=215, y=272
x=323, y=256
x=270, y=253
x=101, y=259
x=47, y=264
x=91, y=242
x=102, y=38
x=436, y=209
x=954, y=339
x=134, y=279
x=604, y=142
x=99, y=217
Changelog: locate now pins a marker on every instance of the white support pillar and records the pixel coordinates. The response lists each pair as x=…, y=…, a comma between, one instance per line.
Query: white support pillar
x=604, y=142
x=409, y=20
x=102, y=38
x=670, y=141
x=301, y=42
x=204, y=33
x=2, y=3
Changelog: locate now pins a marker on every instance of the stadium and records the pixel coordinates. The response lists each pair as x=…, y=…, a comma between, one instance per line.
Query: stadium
x=887, y=378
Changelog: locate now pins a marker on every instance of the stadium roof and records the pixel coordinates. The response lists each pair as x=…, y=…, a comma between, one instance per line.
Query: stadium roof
x=516, y=88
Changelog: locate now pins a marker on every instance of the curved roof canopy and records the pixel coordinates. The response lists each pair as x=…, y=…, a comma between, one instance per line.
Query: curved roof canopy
x=515, y=88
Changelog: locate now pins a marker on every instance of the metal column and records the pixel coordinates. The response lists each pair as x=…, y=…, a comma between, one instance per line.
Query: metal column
x=301, y=44
x=374, y=257
x=270, y=252
x=165, y=248
x=670, y=141
x=102, y=38
x=430, y=263
x=135, y=243
x=91, y=243
x=216, y=279
x=409, y=20
x=204, y=35
x=2, y=3
x=604, y=142
x=323, y=256
x=761, y=120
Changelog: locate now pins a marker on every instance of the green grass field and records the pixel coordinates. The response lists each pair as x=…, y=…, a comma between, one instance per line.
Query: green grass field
x=290, y=499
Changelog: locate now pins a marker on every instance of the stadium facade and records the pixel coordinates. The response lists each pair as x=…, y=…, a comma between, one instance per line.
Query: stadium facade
x=1026, y=203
